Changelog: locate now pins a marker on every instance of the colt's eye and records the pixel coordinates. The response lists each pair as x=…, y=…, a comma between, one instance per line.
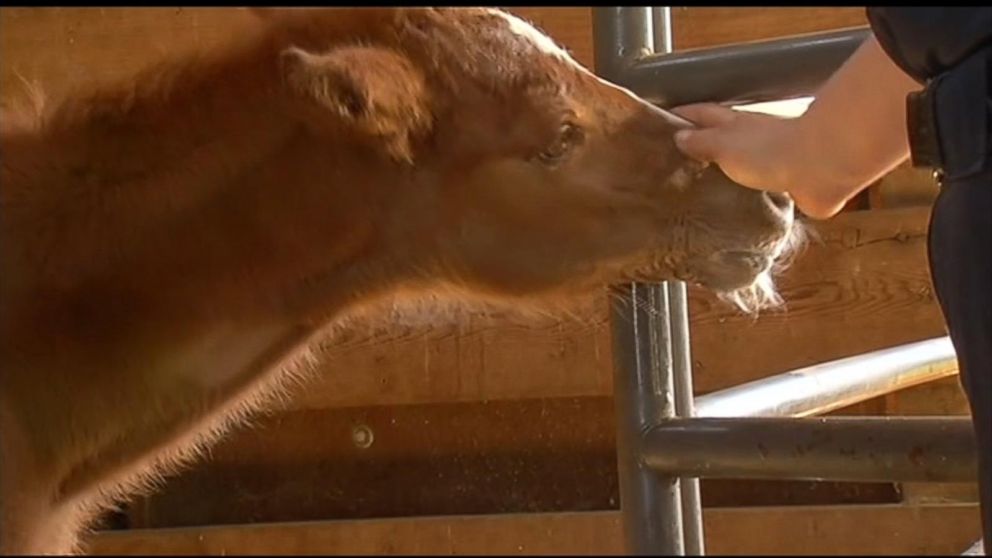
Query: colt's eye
x=569, y=136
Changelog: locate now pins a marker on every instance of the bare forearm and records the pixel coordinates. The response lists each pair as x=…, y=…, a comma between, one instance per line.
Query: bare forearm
x=853, y=133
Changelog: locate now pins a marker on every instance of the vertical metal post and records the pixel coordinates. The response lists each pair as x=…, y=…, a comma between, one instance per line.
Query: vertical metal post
x=692, y=507
x=643, y=389
x=642, y=333
x=622, y=36
x=662, y=27
x=692, y=510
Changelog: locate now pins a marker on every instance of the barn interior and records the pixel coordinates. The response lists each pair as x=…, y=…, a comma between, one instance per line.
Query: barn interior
x=498, y=435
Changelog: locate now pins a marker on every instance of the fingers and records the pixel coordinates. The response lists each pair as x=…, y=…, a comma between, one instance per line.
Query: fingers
x=702, y=145
x=706, y=115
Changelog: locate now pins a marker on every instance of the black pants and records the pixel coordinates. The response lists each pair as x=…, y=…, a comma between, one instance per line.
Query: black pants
x=961, y=270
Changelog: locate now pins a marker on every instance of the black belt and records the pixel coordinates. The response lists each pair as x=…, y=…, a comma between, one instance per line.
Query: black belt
x=948, y=121
x=924, y=139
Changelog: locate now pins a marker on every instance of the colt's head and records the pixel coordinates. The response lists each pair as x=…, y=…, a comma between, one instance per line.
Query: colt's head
x=533, y=174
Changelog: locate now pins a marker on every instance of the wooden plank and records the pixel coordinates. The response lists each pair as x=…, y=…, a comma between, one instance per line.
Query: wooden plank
x=67, y=48
x=467, y=458
x=705, y=27
x=863, y=286
x=905, y=186
x=943, y=397
x=832, y=530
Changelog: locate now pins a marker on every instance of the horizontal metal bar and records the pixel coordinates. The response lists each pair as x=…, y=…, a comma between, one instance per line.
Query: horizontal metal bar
x=751, y=72
x=824, y=387
x=860, y=449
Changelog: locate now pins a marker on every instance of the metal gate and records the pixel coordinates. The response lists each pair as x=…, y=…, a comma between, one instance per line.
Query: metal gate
x=761, y=429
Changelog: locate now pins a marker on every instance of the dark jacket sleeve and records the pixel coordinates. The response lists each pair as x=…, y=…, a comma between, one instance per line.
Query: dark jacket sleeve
x=926, y=42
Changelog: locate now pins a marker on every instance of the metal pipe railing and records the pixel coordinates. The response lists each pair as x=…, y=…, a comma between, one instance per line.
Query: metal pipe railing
x=832, y=385
x=862, y=449
x=655, y=447
x=622, y=36
x=760, y=71
x=640, y=32
x=751, y=72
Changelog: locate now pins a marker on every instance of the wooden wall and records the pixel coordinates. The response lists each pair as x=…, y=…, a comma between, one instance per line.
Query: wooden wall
x=877, y=530
x=493, y=415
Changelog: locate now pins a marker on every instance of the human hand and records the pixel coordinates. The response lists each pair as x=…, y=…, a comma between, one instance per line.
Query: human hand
x=764, y=152
x=750, y=148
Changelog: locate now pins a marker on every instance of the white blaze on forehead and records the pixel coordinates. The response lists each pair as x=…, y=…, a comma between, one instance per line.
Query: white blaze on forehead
x=540, y=40
x=548, y=46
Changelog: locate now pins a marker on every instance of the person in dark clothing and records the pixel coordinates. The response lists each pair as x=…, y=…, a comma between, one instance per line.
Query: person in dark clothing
x=918, y=88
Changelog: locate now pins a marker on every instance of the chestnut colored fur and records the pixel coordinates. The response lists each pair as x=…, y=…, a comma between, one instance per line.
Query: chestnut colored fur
x=171, y=246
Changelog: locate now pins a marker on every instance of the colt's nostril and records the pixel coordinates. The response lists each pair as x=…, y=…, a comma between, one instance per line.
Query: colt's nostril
x=779, y=201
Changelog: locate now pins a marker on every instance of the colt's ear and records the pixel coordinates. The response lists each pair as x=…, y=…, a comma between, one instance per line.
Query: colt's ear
x=374, y=90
